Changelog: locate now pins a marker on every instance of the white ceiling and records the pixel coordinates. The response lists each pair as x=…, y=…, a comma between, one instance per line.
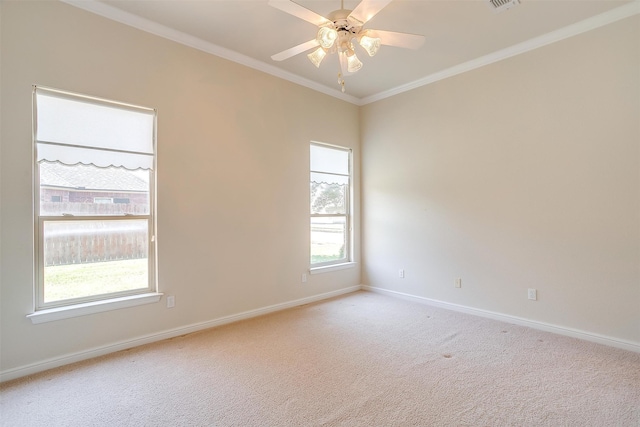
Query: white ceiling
x=460, y=35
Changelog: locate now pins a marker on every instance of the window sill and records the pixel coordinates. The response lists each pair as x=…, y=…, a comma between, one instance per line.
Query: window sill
x=59, y=313
x=328, y=268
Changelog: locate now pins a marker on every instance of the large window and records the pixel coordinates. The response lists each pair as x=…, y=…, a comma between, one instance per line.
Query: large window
x=94, y=199
x=330, y=205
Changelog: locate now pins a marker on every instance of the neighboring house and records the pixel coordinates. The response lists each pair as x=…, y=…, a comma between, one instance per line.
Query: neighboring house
x=88, y=184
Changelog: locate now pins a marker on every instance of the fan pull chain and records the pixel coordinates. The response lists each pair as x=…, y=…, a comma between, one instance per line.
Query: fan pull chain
x=341, y=81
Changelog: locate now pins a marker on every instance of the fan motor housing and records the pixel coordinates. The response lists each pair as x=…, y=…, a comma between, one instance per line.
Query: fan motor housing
x=342, y=23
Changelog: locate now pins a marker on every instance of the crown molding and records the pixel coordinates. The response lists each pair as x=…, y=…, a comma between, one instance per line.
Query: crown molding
x=118, y=15
x=588, y=24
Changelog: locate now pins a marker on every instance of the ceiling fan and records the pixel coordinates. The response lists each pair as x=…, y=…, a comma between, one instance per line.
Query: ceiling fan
x=337, y=32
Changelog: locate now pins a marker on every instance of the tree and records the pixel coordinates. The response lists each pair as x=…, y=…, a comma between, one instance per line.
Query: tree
x=328, y=198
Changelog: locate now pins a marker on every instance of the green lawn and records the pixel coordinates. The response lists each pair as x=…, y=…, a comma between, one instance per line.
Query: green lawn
x=326, y=252
x=81, y=280
x=315, y=259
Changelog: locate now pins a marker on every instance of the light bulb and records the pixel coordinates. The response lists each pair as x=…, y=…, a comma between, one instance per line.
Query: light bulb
x=317, y=56
x=353, y=63
x=326, y=37
x=370, y=43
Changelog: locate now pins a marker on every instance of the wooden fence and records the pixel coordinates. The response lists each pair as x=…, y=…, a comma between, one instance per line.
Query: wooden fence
x=88, y=242
x=95, y=247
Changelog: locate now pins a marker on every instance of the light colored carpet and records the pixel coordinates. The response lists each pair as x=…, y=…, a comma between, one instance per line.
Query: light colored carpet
x=359, y=360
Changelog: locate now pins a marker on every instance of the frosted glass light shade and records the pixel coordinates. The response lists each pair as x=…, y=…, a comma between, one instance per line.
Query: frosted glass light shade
x=353, y=63
x=326, y=37
x=317, y=56
x=370, y=44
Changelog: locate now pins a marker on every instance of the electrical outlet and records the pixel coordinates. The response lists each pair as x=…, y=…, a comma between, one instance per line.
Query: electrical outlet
x=304, y=277
x=171, y=301
x=458, y=282
x=532, y=294
x=401, y=274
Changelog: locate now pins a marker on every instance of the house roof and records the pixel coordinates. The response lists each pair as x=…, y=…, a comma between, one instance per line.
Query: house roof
x=89, y=177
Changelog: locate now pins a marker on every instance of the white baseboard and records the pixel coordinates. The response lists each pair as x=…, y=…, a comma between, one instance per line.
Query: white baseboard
x=560, y=330
x=22, y=371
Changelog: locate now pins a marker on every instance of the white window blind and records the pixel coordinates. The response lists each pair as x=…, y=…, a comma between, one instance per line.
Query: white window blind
x=326, y=178
x=91, y=132
x=329, y=160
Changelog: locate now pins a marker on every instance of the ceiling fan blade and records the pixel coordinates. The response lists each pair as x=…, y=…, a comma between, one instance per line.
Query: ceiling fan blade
x=391, y=38
x=293, y=51
x=367, y=9
x=301, y=12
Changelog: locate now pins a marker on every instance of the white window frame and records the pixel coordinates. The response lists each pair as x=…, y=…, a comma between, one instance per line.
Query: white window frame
x=55, y=310
x=347, y=261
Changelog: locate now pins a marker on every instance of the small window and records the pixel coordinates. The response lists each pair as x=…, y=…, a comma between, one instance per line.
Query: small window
x=120, y=200
x=90, y=247
x=330, y=197
x=103, y=200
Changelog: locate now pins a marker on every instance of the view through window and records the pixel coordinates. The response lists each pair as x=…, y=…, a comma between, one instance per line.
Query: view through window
x=330, y=190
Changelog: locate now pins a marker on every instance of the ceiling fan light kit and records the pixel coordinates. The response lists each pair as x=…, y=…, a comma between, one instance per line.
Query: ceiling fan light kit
x=337, y=37
x=337, y=32
x=353, y=63
x=369, y=42
x=327, y=37
x=317, y=56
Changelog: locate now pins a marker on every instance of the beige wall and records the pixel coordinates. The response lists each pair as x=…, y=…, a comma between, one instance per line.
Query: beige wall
x=525, y=173
x=521, y=174
x=232, y=172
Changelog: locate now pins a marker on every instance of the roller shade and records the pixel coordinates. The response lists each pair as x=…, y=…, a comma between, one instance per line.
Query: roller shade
x=325, y=178
x=75, y=130
x=329, y=160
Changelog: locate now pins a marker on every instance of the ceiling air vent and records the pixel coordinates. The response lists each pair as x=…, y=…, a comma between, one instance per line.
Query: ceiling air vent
x=502, y=5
